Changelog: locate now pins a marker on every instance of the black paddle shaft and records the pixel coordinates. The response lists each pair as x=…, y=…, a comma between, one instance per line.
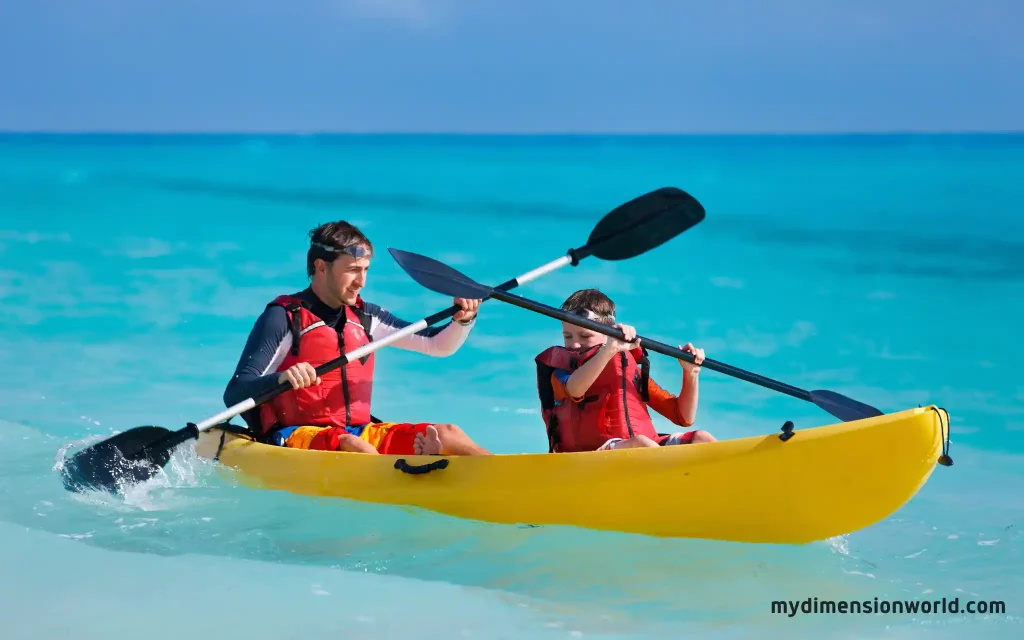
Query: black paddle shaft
x=654, y=345
x=441, y=278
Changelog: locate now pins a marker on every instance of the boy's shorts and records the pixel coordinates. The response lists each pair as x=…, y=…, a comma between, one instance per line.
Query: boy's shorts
x=386, y=437
x=685, y=437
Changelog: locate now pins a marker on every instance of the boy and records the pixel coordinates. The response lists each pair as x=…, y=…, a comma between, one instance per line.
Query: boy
x=595, y=390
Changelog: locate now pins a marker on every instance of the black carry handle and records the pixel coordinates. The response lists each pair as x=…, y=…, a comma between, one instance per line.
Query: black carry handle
x=416, y=469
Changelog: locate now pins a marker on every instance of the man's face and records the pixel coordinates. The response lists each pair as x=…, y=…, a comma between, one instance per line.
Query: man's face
x=345, y=277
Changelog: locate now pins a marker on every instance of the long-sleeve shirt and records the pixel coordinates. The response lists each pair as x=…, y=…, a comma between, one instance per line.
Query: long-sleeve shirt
x=270, y=340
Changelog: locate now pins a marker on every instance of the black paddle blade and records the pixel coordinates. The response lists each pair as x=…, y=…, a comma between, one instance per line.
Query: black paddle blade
x=115, y=462
x=642, y=224
x=846, y=409
x=439, y=277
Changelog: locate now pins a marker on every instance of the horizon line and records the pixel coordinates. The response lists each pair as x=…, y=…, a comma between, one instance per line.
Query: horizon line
x=330, y=132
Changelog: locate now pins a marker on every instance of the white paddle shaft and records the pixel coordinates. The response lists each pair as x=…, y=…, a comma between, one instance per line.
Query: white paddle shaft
x=355, y=354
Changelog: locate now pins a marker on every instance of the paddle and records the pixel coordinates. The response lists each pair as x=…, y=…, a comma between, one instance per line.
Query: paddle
x=441, y=278
x=629, y=230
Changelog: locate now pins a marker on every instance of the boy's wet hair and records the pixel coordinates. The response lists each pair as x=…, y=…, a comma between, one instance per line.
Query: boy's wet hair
x=591, y=303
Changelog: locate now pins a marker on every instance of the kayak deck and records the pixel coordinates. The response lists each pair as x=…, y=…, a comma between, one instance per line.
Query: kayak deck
x=821, y=482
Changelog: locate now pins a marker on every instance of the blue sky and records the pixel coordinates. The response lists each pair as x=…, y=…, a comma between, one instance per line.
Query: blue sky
x=512, y=66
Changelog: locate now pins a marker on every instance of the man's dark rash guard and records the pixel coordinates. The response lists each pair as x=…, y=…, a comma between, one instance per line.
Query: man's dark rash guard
x=270, y=340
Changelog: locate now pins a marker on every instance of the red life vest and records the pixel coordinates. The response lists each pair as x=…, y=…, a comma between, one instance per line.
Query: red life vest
x=615, y=406
x=343, y=396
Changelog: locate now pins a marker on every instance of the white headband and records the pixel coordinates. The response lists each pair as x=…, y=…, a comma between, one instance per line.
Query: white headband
x=590, y=315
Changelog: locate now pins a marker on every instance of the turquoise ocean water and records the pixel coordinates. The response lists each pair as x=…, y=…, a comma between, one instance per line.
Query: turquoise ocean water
x=888, y=268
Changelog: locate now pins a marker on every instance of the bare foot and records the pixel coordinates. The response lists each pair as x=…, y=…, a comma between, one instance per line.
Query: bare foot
x=428, y=444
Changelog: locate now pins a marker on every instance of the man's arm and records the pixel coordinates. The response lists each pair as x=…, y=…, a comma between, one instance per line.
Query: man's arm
x=267, y=346
x=433, y=341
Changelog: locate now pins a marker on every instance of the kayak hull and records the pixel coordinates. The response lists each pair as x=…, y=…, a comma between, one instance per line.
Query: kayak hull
x=821, y=482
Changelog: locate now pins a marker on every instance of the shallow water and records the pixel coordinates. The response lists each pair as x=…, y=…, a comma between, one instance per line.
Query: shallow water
x=131, y=270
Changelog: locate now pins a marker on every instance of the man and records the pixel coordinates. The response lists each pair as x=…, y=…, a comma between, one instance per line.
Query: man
x=297, y=333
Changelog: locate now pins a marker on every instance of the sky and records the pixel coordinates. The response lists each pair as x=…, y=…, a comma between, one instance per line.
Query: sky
x=512, y=66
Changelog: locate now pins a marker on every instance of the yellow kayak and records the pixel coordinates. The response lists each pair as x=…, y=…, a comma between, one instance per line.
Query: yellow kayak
x=819, y=483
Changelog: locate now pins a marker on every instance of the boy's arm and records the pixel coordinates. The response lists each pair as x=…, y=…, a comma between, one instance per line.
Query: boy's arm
x=581, y=379
x=558, y=379
x=681, y=409
x=687, y=401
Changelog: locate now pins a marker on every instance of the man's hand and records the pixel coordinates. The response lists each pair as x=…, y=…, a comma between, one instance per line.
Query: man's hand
x=468, y=310
x=301, y=374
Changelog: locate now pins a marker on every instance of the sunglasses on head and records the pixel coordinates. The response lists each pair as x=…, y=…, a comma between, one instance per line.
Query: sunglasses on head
x=590, y=315
x=354, y=250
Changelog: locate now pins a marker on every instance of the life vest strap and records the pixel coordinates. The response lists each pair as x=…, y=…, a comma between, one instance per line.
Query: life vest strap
x=238, y=430
x=553, y=439
x=295, y=326
x=315, y=325
x=367, y=322
x=645, y=375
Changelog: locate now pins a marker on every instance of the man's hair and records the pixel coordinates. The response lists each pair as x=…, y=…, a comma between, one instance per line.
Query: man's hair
x=591, y=303
x=338, y=235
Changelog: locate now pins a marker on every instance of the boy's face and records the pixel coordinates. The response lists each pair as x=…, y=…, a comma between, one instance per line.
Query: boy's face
x=581, y=339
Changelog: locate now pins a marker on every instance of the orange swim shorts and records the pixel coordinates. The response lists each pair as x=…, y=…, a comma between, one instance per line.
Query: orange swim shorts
x=394, y=438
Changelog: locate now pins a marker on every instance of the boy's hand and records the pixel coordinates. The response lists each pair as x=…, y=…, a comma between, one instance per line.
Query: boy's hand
x=614, y=345
x=698, y=357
